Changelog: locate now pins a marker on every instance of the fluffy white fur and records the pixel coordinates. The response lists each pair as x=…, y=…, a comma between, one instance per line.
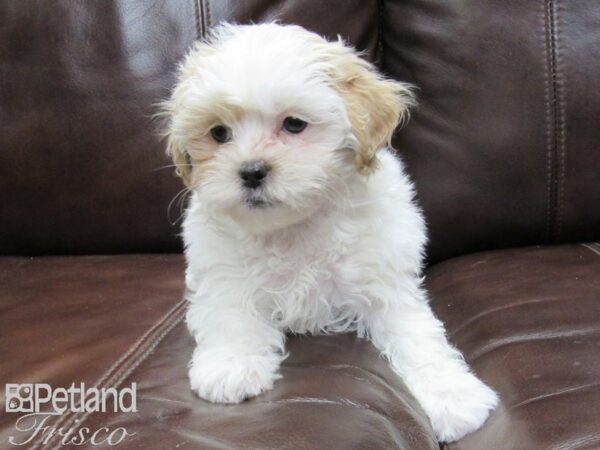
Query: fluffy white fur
x=331, y=242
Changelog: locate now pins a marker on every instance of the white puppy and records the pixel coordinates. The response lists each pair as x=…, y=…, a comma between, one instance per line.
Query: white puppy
x=302, y=220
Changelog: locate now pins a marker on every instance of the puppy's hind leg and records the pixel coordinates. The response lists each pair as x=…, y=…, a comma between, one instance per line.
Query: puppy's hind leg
x=237, y=356
x=413, y=340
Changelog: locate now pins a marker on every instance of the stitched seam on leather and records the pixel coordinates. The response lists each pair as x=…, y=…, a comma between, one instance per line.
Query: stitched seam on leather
x=202, y=24
x=120, y=361
x=561, y=123
x=208, y=22
x=114, y=380
x=555, y=127
x=547, y=101
x=380, y=57
x=198, y=14
x=120, y=365
x=80, y=418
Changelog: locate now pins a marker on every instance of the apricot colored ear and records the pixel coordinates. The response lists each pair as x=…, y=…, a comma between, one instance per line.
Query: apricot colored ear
x=180, y=158
x=173, y=129
x=375, y=105
x=175, y=147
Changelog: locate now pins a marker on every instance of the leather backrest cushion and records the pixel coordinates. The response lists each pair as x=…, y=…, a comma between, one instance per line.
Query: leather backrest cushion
x=502, y=146
x=80, y=157
x=505, y=144
x=79, y=151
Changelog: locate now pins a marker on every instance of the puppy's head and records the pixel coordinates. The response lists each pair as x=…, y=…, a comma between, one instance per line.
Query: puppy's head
x=267, y=123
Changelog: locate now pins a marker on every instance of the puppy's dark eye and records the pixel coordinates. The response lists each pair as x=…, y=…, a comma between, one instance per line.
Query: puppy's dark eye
x=221, y=134
x=294, y=125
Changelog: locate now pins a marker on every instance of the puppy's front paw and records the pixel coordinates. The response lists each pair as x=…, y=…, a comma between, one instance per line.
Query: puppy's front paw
x=233, y=379
x=457, y=405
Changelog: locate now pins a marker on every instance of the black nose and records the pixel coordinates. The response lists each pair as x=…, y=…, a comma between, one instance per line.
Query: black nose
x=253, y=173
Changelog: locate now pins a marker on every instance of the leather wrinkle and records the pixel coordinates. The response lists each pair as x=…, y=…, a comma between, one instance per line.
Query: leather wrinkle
x=344, y=402
x=340, y=402
x=489, y=311
x=565, y=391
x=580, y=442
x=336, y=367
x=593, y=247
x=496, y=344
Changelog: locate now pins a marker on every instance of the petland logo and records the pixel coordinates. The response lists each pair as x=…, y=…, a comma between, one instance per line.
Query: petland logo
x=39, y=402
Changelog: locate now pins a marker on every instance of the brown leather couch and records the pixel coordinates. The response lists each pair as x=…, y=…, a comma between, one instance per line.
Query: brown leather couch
x=504, y=148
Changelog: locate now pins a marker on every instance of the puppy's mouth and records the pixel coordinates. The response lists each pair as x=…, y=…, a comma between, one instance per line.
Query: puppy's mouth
x=257, y=202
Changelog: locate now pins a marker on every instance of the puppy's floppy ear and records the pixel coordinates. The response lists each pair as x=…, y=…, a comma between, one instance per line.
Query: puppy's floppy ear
x=375, y=105
x=175, y=146
x=181, y=159
x=176, y=116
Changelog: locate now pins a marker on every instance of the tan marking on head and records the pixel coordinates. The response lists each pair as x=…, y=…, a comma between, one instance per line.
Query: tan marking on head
x=175, y=131
x=375, y=105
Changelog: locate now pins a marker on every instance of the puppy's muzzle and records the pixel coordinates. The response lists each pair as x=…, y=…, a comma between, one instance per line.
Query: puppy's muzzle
x=253, y=173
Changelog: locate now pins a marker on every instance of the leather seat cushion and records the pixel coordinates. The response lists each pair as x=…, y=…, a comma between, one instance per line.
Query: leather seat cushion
x=527, y=321
x=113, y=320
x=83, y=319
